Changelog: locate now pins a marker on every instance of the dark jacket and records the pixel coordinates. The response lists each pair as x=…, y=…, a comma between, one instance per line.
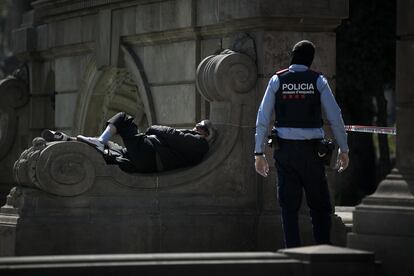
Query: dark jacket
x=177, y=148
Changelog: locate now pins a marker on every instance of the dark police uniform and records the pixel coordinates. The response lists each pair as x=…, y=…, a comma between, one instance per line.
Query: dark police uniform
x=298, y=96
x=299, y=168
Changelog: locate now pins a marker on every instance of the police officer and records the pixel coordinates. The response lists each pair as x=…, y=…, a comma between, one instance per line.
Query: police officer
x=298, y=96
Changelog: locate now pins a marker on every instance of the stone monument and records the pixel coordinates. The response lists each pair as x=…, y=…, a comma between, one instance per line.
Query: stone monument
x=91, y=59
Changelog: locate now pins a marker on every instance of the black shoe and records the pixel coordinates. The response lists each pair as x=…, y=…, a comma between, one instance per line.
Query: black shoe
x=50, y=136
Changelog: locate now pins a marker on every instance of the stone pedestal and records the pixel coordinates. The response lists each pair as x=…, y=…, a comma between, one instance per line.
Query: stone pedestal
x=384, y=222
x=94, y=58
x=336, y=261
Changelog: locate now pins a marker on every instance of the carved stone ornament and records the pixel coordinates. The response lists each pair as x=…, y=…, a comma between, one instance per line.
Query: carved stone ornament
x=220, y=76
x=60, y=168
x=72, y=168
x=14, y=92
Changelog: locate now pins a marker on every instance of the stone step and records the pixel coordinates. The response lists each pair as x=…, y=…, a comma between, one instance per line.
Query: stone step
x=311, y=260
x=262, y=263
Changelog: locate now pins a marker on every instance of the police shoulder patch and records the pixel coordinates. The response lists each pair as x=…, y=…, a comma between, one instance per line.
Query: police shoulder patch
x=282, y=71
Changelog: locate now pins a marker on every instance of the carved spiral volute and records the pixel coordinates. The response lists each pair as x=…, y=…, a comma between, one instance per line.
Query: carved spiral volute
x=221, y=76
x=60, y=168
x=14, y=92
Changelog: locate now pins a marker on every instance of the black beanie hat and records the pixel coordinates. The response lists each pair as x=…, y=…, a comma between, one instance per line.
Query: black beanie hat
x=303, y=53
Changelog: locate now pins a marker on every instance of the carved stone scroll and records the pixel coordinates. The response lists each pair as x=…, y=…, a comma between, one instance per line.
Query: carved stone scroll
x=219, y=76
x=64, y=169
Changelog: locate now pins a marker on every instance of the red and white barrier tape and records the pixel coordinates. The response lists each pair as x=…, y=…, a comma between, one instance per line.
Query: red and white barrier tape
x=371, y=129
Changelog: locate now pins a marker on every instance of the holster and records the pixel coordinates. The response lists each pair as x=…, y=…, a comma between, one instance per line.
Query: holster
x=272, y=140
x=328, y=152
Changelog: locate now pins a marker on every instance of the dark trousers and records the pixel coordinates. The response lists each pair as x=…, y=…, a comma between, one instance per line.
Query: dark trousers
x=300, y=169
x=140, y=149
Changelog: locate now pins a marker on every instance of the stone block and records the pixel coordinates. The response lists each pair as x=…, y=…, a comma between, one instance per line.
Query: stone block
x=8, y=234
x=220, y=11
x=89, y=28
x=51, y=34
x=184, y=264
x=178, y=60
x=332, y=260
x=405, y=149
x=174, y=104
x=320, y=9
x=46, y=84
x=67, y=74
x=23, y=40
x=277, y=46
x=116, y=25
x=210, y=47
x=371, y=220
x=176, y=14
x=405, y=20
x=65, y=109
x=39, y=72
x=128, y=21
x=147, y=18
x=238, y=9
x=42, y=32
x=41, y=112
x=207, y=12
x=163, y=15
x=72, y=30
x=394, y=252
x=103, y=38
x=405, y=71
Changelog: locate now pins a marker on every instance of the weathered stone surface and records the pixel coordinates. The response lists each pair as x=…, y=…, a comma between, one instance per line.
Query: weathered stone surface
x=68, y=72
x=248, y=263
x=66, y=105
x=161, y=205
x=308, y=261
x=332, y=260
x=41, y=108
x=167, y=98
x=383, y=223
x=220, y=75
x=142, y=50
x=277, y=45
x=89, y=27
x=219, y=11
x=163, y=15
x=405, y=24
x=24, y=40
x=103, y=38
x=176, y=59
x=405, y=103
